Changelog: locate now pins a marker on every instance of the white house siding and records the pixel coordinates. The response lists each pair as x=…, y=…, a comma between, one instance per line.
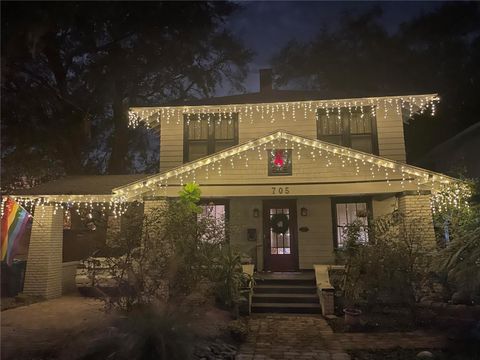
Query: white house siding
x=241, y=219
x=391, y=140
x=314, y=246
x=389, y=128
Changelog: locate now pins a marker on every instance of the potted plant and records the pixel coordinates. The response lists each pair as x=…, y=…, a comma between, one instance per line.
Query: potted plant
x=352, y=253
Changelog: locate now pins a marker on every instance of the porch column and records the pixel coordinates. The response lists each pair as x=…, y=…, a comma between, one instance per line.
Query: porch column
x=416, y=208
x=151, y=203
x=43, y=276
x=113, y=229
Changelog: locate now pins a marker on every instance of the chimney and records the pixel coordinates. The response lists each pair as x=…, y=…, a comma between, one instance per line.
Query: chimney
x=265, y=80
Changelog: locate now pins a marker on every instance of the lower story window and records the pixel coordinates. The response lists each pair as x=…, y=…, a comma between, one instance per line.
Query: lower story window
x=216, y=212
x=347, y=212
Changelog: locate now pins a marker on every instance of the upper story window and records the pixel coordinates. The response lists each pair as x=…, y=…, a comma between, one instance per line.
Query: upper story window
x=205, y=134
x=351, y=128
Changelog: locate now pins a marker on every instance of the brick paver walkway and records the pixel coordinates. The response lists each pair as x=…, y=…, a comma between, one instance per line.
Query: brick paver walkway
x=282, y=336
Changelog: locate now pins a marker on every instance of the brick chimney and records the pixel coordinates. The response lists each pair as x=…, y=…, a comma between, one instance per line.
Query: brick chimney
x=266, y=80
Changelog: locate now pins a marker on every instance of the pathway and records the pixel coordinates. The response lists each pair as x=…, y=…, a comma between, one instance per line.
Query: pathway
x=308, y=337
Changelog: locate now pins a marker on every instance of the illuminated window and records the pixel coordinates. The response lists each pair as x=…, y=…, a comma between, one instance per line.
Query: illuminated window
x=351, y=128
x=216, y=214
x=205, y=134
x=346, y=212
x=280, y=241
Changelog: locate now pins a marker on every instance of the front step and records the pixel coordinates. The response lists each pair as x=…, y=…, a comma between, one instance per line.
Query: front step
x=286, y=308
x=285, y=293
x=285, y=298
x=284, y=289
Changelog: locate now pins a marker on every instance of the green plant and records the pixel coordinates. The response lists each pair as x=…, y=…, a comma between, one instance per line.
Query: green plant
x=146, y=333
x=175, y=250
x=390, y=267
x=238, y=330
x=228, y=275
x=459, y=265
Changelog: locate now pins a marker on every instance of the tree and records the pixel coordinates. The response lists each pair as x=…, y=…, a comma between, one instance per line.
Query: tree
x=71, y=70
x=435, y=52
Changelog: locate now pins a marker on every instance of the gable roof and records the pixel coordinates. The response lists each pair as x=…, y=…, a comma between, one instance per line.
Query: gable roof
x=144, y=185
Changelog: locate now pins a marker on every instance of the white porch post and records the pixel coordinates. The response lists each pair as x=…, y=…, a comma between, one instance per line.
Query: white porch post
x=418, y=214
x=43, y=276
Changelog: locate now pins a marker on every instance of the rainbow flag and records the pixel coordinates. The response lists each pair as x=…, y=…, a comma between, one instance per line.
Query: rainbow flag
x=14, y=222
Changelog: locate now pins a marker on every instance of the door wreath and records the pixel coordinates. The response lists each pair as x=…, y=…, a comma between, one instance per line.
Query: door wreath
x=279, y=223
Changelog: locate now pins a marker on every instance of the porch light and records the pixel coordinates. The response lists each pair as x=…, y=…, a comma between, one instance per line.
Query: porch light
x=256, y=213
x=304, y=211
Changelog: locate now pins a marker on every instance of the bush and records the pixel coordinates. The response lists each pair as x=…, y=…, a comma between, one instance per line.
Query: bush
x=145, y=333
x=390, y=268
x=177, y=250
x=458, y=263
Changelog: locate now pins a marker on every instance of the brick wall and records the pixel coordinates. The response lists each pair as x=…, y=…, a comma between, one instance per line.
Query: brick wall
x=43, y=276
x=418, y=215
x=149, y=205
x=113, y=229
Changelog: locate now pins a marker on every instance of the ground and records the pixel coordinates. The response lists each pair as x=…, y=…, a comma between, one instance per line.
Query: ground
x=55, y=329
x=308, y=337
x=44, y=328
x=58, y=328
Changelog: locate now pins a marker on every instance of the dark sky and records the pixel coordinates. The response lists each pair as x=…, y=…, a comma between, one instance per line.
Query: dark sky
x=266, y=26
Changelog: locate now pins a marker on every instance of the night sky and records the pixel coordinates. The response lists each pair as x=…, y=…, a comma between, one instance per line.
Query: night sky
x=266, y=26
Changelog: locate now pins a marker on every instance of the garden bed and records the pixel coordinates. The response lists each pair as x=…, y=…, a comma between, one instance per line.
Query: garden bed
x=408, y=354
x=387, y=320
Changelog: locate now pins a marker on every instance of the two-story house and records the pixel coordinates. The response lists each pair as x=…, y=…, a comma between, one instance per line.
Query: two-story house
x=287, y=169
x=311, y=165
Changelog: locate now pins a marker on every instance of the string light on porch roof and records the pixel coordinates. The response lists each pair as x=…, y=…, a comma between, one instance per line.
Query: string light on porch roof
x=279, y=110
x=278, y=140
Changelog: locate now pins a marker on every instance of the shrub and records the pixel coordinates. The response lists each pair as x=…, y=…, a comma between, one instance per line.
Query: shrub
x=390, y=268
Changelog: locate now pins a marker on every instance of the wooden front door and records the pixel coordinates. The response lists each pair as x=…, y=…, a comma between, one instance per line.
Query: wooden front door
x=280, y=235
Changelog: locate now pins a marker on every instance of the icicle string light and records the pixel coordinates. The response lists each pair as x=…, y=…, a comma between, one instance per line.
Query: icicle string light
x=383, y=169
x=281, y=110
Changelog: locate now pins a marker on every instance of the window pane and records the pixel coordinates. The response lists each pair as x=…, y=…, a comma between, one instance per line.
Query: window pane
x=224, y=129
x=198, y=130
x=360, y=123
x=197, y=149
x=347, y=213
x=223, y=144
x=333, y=139
x=329, y=125
x=342, y=214
x=351, y=213
x=216, y=213
x=362, y=143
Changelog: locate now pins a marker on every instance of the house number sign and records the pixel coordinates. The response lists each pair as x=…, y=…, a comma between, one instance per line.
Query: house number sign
x=280, y=190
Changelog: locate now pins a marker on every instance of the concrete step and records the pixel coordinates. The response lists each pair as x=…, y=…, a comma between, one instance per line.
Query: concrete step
x=285, y=298
x=286, y=308
x=307, y=282
x=284, y=289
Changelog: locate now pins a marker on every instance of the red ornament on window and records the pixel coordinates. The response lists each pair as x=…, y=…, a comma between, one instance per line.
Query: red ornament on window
x=278, y=160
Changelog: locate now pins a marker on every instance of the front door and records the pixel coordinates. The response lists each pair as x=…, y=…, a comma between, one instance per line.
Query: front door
x=280, y=235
